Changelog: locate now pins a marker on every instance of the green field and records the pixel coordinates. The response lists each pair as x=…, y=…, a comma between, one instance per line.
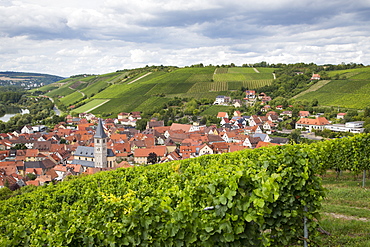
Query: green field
x=243, y=74
x=86, y=107
x=350, y=73
x=176, y=83
x=127, y=92
x=240, y=70
x=266, y=70
x=343, y=93
x=215, y=109
x=72, y=98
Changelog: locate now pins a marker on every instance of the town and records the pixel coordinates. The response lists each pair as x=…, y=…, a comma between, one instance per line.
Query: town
x=87, y=144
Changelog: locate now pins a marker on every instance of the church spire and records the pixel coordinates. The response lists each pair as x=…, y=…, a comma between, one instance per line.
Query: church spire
x=100, y=146
x=100, y=130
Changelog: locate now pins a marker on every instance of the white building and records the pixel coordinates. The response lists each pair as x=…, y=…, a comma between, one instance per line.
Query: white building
x=353, y=127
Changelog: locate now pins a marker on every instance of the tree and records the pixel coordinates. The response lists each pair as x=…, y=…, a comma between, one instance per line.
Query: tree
x=367, y=112
x=31, y=176
x=295, y=136
x=152, y=158
x=141, y=124
x=314, y=102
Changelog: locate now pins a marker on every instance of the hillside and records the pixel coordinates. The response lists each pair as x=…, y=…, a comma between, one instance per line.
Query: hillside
x=347, y=88
x=27, y=80
x=139, y=89
x=144, y=88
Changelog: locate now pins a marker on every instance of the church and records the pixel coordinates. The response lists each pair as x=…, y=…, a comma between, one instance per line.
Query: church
x=98, y=156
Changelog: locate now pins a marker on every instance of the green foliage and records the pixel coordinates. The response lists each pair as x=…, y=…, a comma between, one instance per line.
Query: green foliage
x=31, y=176
x=5, y=193
x=252, y=197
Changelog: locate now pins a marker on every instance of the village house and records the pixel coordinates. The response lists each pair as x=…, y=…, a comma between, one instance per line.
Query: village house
x=250, y=94
x=341, y=115
x=222, y=100
x=312, y=124
x=315, y=77
x=304, y=114
x=141, y=155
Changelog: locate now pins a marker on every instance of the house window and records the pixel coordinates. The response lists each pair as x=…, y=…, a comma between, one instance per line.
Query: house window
x=103, y=140
x=97, y=140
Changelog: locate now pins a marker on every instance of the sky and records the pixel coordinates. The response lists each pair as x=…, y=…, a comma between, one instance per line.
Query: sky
x=73, y=37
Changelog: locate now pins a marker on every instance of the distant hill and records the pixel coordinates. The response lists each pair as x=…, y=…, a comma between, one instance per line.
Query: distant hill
x=27, y=80
x=347, y=88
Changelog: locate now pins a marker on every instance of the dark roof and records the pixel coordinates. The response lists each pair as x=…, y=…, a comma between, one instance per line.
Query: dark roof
x=42, y=145
x=83, y=163
x=100, y=130
x=89, y=152
x=45, y=164
x=85, y=151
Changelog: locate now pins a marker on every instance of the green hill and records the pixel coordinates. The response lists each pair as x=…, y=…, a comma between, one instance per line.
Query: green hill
x=144, y=88
x=136, y=90
x=347, y=88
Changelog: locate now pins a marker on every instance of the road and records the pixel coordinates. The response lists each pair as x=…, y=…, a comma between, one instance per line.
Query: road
x=304, y=134
x=139, y=78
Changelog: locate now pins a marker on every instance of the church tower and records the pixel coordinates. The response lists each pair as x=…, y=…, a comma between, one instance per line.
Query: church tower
x=100, y=146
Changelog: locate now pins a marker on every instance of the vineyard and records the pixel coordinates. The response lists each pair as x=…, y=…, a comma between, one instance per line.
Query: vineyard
x=352, y=91
x=259, y=197
x=71, y=98
x=344, y=93
x=120, y=88
x=256, y=83
x=86, y=107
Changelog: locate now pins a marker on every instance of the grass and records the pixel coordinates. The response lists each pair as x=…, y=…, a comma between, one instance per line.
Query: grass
x=346, y=211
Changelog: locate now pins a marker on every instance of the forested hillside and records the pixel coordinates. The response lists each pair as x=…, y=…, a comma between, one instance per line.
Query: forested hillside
x=27, y=80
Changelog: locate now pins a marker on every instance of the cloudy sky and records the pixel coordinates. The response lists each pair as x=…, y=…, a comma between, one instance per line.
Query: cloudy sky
x=99, y=36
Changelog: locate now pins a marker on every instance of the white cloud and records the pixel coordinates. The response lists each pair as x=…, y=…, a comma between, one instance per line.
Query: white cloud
x=73, y=37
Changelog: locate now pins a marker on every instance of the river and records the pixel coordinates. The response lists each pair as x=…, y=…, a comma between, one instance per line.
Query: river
x=7, y=116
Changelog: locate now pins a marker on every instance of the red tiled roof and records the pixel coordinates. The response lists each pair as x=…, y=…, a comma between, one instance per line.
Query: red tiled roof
x=144, y=152
x=222, y=114
x=316, y=121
